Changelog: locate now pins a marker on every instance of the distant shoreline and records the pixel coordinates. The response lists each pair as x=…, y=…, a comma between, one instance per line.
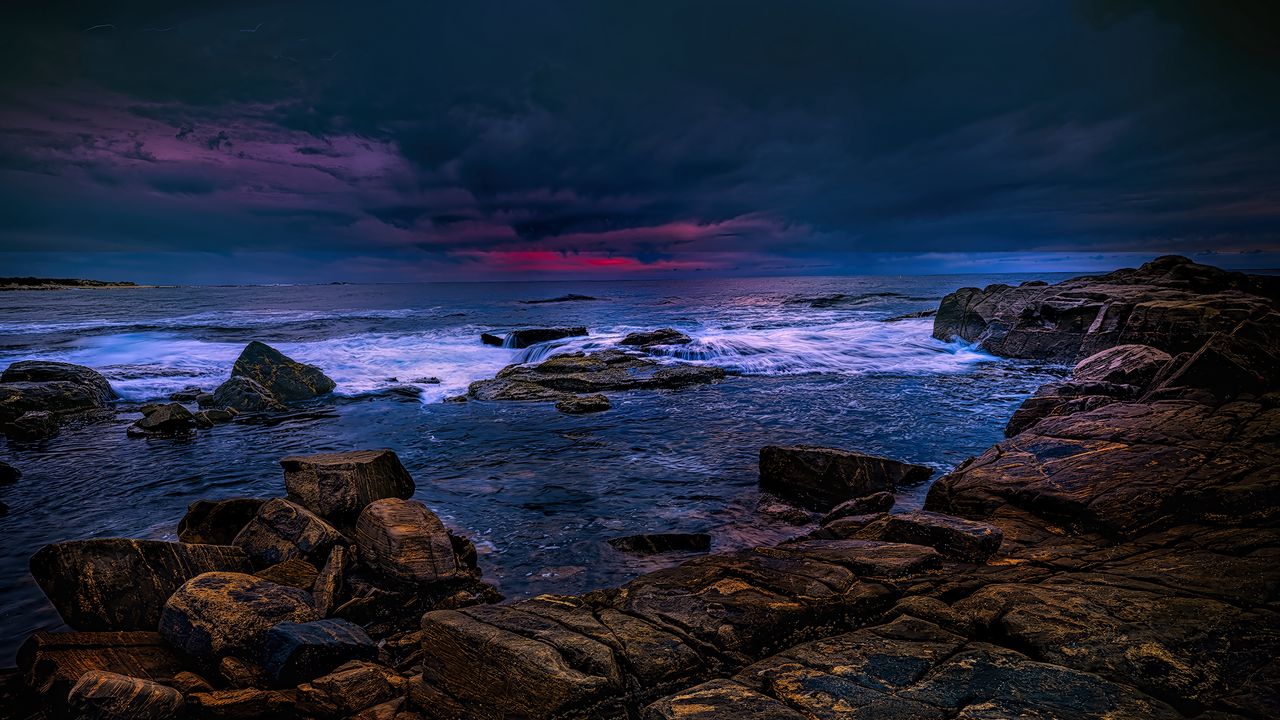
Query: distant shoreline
x=35, y=283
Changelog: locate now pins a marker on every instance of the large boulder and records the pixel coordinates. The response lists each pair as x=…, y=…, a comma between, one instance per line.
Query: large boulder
x=299, y=652
x=282, y=530
x=244, y=394
x=220, y=614
x=42, y=371
x=170, y=419
x=122, y=584
x=340, y=485
x=287, y=380
x=405, y=543
x=1170, y=303
x=820, y=478
x=110, y=696
x=217, y=522
x=1135, y=365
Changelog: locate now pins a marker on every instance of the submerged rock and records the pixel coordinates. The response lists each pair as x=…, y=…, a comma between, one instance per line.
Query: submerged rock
x=33, y=425
x=162, y=420
x=405, y=543
x=222, y=614
x=581, y=404
x=662, y=542
x=340, y=485
x=111, y=696
x=8, y=473
x=663, y=336
x=286, y=379
x=122, y=584
x=282, y=530
x=217, y=522
x=243, y=394
x=819, y=478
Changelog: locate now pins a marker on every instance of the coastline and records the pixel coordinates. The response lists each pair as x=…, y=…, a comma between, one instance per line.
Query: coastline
x=1107, y=586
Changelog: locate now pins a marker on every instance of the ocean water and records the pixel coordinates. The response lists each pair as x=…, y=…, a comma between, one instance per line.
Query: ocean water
x=811, y=360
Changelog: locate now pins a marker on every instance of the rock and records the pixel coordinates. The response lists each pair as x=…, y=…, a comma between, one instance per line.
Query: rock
x=299, y=652
x=571, y=297
x=1135, y=365
x=349, y=689
x=558, y=376
x=8, y=473
x=214, y=416
x=242, y=704
x=662, y=542
x=282, y=530
x=956, y=538
x=56, y=396
x=217, y=522
x=405, y=543
x=532, y=336
x=43, y=371
x=243, y=394
x=340, y=485
x=1245, y=360
x=582, y=404
x=51, y=662
x=221, y=614
x=33, y=425
x=121, y=584
x=171, y=419
x=819, y=478
x=330, y=582
x=455, y=399
x=187, y=682
x=773, y=508
x=491, y=339
x=287, y=380
x=292, y=572
x=874, y=503
x=1065, y=398
x=1170, y=303
x=665, y=336
x=111, y=696
x=187, y=394
x=206, y=400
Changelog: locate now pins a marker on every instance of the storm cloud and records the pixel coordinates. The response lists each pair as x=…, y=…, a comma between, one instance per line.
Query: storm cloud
x=335, y=140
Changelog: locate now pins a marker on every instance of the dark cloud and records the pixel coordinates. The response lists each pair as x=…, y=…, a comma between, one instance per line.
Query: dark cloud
x=730, y=135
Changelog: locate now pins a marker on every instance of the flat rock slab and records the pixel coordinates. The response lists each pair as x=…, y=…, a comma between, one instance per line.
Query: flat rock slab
x=51, y=662
x=283, y=530
x=299, y=652
x=217, y=522
x=221, y=614
x=122, y=584
x=111, y=696
x=403, y=541
x=340, y=485
x=820, y=478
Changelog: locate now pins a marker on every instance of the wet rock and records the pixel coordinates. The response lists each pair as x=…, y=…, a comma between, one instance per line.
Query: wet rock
x=217, y=522
x=292, y=572
x=206, y=400
x=241, y=704
x=44, y=371
x=455, y=399
x=1065, y=398
x=912, y=316
x=299, y=652
x=340, y=485
x=491, y=339
x=783, y=512
x=330, y=582
x=187, y=394
x=215, y=416
x=1135, y=365
x=662, y=542
x=56, y=396
x=243, y=394
x=121, y=584
x=286, y=379
x=571, y=297
x=1170, y=303
x=32, y=425
x=405, y=543
x=349, y=689
x=111, y=696
x=872, y=504
x=819, y=478
x=1245, y=360
x=51, y=662
x=513, y=390
x=532, y=336
x=282, y=530
x=582, y=404
x=664, y=336
x=220, y=614
x=956, y=538
x=8, y=473
x=171, y=419
x=557, y=377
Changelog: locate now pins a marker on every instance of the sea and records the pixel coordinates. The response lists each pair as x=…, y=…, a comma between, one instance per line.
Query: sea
x=825, y=361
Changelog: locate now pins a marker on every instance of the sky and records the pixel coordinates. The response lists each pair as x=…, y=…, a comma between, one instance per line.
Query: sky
x=321, y=141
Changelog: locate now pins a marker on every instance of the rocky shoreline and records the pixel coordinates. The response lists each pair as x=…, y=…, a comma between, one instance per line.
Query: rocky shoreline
x=1115, y=556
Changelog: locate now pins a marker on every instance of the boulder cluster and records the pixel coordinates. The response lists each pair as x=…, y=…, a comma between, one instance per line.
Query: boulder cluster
x=308, y=605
